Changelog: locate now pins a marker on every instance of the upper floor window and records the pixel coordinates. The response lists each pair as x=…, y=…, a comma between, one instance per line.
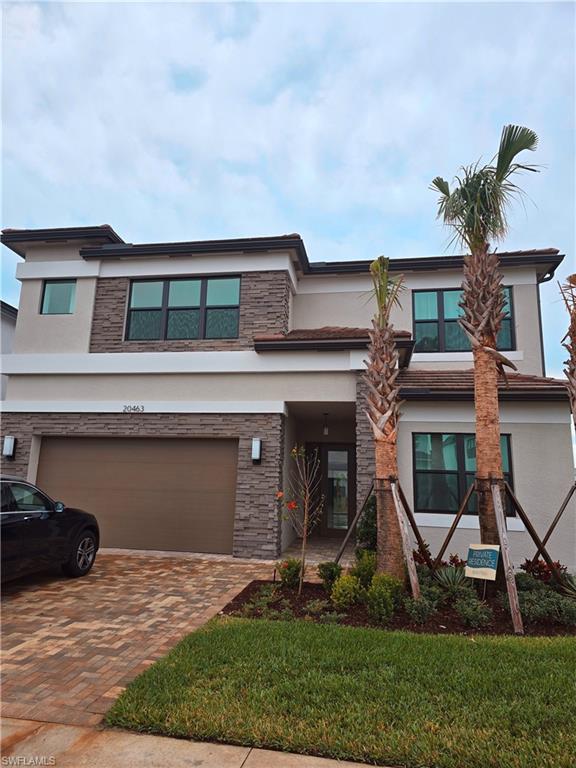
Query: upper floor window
x=58, y=297
x=436, y=327
x=185, y=308
x=444, y=468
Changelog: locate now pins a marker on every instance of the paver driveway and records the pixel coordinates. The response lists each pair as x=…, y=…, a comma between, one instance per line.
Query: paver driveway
x=70, y=646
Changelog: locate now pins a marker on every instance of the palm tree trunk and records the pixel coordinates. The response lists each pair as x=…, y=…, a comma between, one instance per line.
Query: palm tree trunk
x=389, y=553
x=488, y=452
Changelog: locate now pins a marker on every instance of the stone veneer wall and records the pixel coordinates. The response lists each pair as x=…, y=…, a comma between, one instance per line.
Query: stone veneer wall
x=257, y=520
x=264, y=308
x=364, y=445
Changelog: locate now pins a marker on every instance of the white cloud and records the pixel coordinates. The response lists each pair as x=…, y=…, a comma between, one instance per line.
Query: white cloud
x=326, y=119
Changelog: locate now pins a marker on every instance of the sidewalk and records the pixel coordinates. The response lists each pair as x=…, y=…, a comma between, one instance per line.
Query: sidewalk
x=24, y=742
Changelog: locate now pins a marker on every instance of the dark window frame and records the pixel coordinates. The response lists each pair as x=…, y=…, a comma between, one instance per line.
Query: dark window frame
x=55, y=281
x=442, y=321
x=460, y=473
x=165, y=309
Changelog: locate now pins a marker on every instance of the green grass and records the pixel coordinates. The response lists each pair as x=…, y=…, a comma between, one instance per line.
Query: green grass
x=362, y=694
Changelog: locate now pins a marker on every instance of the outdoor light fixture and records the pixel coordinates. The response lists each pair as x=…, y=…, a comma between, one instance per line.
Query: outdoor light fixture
x=256, y=450
x=9, y=447
x=325, y=430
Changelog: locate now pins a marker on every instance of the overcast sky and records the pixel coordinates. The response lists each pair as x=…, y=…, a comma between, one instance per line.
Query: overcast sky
x=186, y=121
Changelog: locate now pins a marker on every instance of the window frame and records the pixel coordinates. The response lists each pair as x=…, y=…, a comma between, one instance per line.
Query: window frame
x=52, y=281
x=165, y=308
x=442, y=321
x=460, y=473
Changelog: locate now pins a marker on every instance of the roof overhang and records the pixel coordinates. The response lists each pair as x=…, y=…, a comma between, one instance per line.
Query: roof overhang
x=517, y=395
x=405, y=347
x=18, y=240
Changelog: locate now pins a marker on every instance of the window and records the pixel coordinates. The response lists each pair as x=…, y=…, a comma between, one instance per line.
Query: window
x=28, y=499
x=444, y=467
x=58, y=297
x=186, y=308
x=436, y=327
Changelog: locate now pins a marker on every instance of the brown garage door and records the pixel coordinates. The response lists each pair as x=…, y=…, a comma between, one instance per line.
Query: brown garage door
x=147, y=493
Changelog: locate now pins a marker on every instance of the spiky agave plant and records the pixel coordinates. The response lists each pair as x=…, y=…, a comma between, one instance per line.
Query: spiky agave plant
x=476, y=210
x=383, y=412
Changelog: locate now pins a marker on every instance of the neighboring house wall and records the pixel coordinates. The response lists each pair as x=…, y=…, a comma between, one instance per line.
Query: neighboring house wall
x=256, y=524
x=8, y=325
x=542, y=467
x=264, y=308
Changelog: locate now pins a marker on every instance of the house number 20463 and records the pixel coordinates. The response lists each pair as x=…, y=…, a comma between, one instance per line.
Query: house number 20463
x=132, y=409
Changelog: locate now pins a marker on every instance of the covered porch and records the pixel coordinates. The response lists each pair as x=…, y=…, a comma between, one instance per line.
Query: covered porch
x=330, y=429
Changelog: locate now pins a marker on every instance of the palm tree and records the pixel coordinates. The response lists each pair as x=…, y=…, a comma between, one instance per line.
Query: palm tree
x=383, y=411
x=568, y=291
x=476, y=210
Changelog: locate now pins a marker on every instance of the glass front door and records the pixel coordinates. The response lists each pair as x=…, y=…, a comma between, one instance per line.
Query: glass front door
x=337, y=464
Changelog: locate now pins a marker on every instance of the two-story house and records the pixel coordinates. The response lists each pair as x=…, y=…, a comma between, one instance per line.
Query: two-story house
x=161, y=386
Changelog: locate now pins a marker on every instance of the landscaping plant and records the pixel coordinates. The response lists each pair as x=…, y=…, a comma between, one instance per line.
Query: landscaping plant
x=476, y=210
x=383, y=412
x=420, y=609
x=303, y=503
x=366, y=534
x=474, y=612
x=365, y=567
x=290, y=572
x=379, y=601
x=346, y=592
x=329, y=572
x=541, y=570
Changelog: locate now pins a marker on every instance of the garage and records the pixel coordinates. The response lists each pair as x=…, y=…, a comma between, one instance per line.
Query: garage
x=147, y=493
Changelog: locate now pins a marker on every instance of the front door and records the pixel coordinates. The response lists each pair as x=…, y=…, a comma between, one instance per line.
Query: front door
x=338, y=468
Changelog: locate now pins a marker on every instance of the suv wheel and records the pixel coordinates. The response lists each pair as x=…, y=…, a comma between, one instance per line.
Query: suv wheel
x=82, y=555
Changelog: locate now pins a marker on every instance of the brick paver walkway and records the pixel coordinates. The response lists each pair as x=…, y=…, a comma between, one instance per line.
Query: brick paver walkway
x=70, y=646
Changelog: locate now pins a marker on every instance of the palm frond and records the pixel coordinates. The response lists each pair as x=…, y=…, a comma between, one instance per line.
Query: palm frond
x=514, y=139
x=386, y=289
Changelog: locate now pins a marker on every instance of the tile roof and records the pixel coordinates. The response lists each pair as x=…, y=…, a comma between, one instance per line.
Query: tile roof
x=327, y=332
x=416, y=382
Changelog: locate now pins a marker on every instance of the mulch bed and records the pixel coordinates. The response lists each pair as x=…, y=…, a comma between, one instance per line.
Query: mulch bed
x=445, y=621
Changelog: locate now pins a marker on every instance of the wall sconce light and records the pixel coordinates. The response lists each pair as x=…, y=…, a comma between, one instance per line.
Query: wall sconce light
x=256, y=450
x=9, y=447
x=325, y=430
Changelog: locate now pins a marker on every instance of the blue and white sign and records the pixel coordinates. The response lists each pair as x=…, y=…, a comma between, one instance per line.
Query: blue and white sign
x=482, y=561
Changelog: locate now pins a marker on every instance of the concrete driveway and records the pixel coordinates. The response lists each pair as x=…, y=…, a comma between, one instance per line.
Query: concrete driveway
x=70, y=646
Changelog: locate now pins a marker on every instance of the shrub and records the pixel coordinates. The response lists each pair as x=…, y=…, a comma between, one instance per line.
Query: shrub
x=525, y=582
x=331, y=618
x=329, y=572
x=433, y=593
x=289, y=572
x=420, y=609
x=419, y=558
x=547, y=606
x=346, y=591
x=474, y=612
x=366, y=528
x=315, y=607
x=380, y=597
x=365, y=567
x=456, y=561
x=541, y=570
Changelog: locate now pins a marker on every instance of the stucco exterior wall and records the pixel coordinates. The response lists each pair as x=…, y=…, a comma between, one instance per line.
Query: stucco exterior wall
x=334, y=386
x=343, y=300
x=256, y=522
x=54, y=333
x=542, y=465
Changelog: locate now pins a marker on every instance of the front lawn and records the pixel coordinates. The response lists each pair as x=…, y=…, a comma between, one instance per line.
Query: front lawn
x=364, y=694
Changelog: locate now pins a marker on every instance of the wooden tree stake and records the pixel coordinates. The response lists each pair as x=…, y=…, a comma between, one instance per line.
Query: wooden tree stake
x=406, y=545
x=454, y=525
x=506, y=559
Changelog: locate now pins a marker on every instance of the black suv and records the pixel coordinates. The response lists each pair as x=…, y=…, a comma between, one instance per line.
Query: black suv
x=38, y=533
